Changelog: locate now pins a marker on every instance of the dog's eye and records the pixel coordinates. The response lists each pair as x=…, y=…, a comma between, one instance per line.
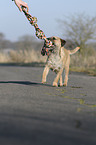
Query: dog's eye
x=54, y=38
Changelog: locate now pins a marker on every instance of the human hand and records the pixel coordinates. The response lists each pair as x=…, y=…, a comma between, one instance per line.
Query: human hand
x=20, y=3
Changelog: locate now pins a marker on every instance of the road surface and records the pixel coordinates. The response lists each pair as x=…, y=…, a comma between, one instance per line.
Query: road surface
x=36, y=114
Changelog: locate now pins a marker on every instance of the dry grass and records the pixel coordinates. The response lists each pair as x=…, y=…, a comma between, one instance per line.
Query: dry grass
x=85, y=63
x=4, y=57
x=79, y=63
x=26, y=56
x=78, y=60
x=21, y=56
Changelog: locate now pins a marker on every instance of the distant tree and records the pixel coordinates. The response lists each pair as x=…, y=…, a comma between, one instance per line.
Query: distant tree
x=5, y=43
x=80, y=29
x=28, y=42
x=2, y=36
x=24, y=42
x=70, y=44
x=27, y=38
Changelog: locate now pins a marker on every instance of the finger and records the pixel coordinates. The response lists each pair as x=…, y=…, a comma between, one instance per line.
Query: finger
x=27, y=9
x=20, y=9
x=25, y=4
x=19, y=6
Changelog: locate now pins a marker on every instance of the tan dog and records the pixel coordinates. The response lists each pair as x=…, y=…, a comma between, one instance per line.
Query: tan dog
x=58, y=60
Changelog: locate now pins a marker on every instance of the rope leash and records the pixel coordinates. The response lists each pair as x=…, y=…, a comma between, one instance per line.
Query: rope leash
x=39, y=33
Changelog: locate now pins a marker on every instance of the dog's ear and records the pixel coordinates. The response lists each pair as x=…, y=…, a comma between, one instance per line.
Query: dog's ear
x=63, y=42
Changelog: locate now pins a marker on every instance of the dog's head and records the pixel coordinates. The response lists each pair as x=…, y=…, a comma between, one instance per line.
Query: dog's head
x=57, y=43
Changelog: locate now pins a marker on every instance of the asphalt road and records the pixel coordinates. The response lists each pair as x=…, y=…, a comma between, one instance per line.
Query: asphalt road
x=36, y=114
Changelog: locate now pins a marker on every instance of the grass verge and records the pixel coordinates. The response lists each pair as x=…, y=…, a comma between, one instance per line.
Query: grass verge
x=79, y=63
x=89, y=71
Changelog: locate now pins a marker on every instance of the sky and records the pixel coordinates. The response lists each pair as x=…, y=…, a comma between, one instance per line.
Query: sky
x=13, y=23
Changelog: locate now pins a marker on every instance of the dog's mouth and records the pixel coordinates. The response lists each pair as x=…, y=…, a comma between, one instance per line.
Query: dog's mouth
x=47, y=50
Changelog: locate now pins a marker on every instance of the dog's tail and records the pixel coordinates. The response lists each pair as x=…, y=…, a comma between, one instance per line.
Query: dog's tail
x=74, y=50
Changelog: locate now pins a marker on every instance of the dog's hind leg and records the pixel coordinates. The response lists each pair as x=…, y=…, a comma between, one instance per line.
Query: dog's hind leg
x=66, y=76
x=45, y=73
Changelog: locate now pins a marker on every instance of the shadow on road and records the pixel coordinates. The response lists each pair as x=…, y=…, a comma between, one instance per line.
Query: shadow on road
x=25, y=83
x=33, y=64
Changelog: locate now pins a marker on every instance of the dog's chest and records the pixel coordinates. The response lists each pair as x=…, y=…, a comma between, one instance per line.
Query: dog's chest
x=55, y=62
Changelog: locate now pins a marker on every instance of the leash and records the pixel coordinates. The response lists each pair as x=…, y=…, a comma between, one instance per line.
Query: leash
x=39, y=33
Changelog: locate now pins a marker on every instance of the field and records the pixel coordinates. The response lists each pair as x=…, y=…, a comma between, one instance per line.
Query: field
x=79, y=63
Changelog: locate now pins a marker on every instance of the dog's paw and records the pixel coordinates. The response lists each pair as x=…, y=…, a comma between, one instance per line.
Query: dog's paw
x=60, y=85
x=43, y=82
x=55, y=84
x=65, y=85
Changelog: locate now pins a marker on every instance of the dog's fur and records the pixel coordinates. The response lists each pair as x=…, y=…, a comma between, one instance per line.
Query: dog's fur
x=58, y=60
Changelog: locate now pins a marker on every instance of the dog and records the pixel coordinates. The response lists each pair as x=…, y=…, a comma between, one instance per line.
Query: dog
x=57, y=60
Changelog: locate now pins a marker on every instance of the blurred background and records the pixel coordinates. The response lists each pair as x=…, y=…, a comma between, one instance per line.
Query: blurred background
x=74, y=21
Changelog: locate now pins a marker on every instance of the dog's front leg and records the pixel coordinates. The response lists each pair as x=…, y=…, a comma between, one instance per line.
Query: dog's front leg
x=61, y=81
x=57, y=78
x=45, y=73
